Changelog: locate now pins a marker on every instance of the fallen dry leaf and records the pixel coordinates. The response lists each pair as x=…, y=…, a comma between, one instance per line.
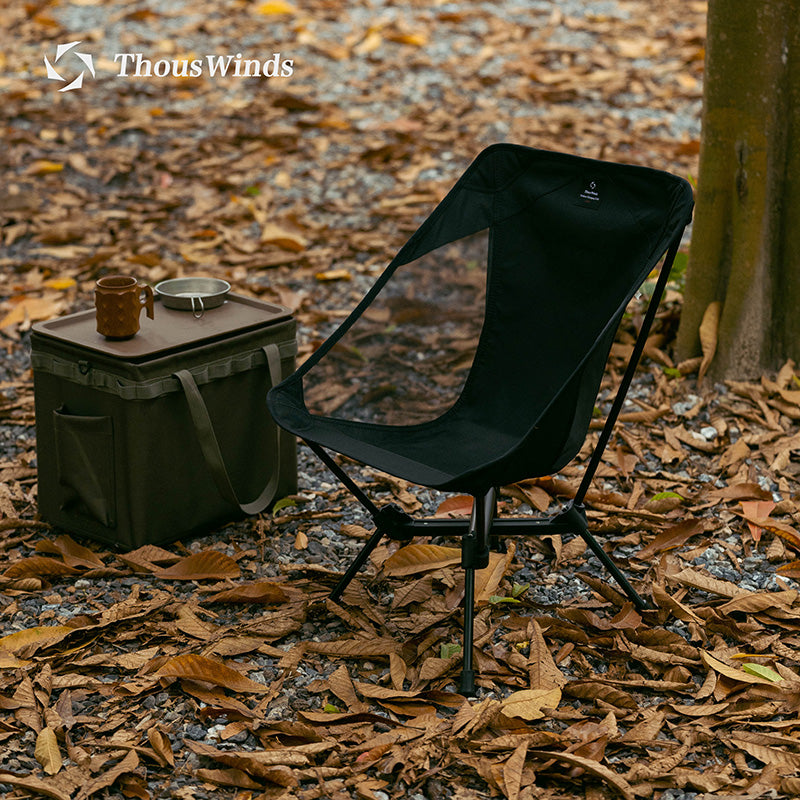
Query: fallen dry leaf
x=615, y=781
x=205, y=565
x=415, y=558
x=161, y=746
x=259, y=592
x=32, y=309
x=708, y=336
x=732, y=672
x=528, y=703
x=40, y=635
x=198, y=668
x=47, y=752
x=757, y=509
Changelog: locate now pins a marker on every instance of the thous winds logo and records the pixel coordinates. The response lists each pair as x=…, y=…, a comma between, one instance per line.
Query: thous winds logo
x=234, y=66
x=54, y=75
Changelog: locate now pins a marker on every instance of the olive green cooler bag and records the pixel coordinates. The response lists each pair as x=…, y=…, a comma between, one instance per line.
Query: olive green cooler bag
x=167, y=434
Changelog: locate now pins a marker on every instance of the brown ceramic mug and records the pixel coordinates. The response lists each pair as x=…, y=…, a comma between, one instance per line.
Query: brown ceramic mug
x=118, y=301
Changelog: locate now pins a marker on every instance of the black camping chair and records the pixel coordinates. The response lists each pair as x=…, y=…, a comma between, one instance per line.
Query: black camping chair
x=565, y=243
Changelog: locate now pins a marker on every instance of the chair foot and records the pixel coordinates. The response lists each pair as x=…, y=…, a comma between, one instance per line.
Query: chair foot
x=474, y=555
x=467, y=671
x=468, y=682
x=639, y=603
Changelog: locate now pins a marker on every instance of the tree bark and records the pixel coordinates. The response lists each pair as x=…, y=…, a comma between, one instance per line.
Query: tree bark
x=745, y=248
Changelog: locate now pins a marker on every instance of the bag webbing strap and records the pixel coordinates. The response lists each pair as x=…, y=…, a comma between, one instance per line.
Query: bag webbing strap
x=207, y=439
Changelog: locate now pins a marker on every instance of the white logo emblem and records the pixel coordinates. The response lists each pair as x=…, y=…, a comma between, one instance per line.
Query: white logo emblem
x=53, y=74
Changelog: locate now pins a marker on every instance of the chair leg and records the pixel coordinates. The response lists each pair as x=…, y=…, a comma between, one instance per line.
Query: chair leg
x=615, y=571
x=474, y=555
x=467, y=671
x=576, y=517
x=358, y=562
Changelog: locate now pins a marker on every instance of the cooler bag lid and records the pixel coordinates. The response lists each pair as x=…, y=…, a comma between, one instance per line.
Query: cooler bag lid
x=171, y=329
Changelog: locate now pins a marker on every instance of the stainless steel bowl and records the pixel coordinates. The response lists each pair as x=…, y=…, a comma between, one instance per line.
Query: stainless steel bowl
x=193, y=294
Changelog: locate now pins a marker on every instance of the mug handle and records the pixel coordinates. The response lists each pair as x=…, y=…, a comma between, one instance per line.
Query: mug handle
x=148, y=299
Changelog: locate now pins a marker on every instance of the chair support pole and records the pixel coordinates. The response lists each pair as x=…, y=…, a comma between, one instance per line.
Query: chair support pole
x=474, y=555
x=575, y=517
x=358, y=562
x=353, y=487
x=365, y=501
x=615, y=571
x=467, y=670
x=627, y=378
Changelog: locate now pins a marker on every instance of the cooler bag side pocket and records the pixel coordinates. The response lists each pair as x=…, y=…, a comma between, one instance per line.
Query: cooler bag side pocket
x=85, y=465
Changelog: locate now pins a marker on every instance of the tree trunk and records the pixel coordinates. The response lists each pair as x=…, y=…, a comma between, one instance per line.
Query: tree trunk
x=745, y=249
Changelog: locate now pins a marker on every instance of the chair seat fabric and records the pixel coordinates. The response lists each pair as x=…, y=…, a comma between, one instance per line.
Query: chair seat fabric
x=441, y=454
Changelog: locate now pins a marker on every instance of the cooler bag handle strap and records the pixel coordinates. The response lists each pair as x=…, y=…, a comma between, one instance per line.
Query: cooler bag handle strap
x=210, y=447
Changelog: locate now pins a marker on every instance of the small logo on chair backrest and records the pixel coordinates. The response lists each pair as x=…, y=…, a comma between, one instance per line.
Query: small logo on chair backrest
x=590, y=196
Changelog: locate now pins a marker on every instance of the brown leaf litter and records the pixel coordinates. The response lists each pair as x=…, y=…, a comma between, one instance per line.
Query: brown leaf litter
x=190, y=670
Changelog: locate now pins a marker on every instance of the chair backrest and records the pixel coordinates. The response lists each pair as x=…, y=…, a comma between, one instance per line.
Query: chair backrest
x=568, y=241
x=571, y=242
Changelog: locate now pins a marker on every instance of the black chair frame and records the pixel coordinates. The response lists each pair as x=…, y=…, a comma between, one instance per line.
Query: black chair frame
x=478, y=532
